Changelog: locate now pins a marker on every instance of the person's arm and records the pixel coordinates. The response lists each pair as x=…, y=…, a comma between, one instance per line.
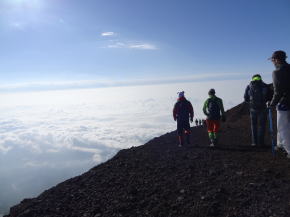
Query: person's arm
x=246, y=95
x=277, y=88
x=191, y=112
x=221, y=105
x=204, y=109
x=175, y=112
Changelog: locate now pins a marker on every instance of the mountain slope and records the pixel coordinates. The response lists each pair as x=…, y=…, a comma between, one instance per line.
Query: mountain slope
x=159, y=179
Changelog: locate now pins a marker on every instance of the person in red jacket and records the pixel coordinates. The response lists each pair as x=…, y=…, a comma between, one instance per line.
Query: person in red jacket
x=182, y=113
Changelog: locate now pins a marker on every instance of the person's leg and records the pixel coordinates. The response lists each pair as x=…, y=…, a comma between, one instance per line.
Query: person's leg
x=283, y=127
x=187, y=132
x=279, y=140
x=253, y=116
x=262, y=119
x=280, y=117
x=216, y=128
x=287, y=133
x=180, y=133
x=209, y=124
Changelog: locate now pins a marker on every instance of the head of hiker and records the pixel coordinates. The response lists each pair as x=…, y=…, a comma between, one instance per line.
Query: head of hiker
x=278, y=58
x=256, y=78
x=181, y=94
x=211, y=92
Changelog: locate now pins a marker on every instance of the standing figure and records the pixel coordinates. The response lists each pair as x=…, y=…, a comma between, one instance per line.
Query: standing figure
x=199, y=122
x=214, y=110
x=196, y=122
x=281, y=98
x=257, y=94
x=203, y=122
x=182, y=113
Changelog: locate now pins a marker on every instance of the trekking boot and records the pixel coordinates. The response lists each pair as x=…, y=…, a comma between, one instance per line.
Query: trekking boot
x=253, y=144
x=215, y=141
x=278, y=147
x=281, y=149
x=211, y=143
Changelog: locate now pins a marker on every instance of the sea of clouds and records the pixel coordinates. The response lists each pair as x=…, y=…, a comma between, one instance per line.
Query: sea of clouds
x=49, y=136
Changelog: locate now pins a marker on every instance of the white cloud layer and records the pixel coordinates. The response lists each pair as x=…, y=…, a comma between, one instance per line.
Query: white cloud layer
x=93, y=120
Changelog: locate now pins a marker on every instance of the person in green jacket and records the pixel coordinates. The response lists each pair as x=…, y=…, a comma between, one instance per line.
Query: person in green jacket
x=214, y=110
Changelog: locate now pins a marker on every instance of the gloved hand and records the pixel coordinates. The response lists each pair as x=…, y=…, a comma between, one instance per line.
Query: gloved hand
x=268, y=104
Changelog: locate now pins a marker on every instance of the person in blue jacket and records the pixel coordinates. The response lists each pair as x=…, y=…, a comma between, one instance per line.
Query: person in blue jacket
x=257, y=94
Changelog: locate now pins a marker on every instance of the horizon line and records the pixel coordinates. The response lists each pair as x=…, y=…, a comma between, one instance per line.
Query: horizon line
x=106, y=83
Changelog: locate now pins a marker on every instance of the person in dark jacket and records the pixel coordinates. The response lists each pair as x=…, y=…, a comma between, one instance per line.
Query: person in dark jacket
x=182, y=113
x=281, y=98
x=214, y=110
x=257, y=94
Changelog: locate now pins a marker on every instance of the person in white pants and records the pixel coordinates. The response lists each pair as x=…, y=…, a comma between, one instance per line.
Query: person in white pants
x=281, y=98
x=283, y=129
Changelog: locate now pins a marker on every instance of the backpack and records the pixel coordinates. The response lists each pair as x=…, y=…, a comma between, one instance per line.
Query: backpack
x=257, y=95
x=213, y=109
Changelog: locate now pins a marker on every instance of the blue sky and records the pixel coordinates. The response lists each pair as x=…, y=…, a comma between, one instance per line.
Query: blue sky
x=68, y=40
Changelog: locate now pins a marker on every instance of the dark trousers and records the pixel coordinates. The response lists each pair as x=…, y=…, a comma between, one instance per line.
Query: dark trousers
x=258, y=125
x=183, y=126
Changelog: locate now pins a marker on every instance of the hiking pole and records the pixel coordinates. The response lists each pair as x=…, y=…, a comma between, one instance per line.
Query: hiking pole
x=271, y=130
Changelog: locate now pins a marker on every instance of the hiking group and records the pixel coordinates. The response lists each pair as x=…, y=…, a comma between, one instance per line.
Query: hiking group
x=261, y=99
x=183, y=113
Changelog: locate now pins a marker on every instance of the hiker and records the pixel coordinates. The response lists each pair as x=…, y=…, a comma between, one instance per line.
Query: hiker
x=196, y=122
x=182, y=113
x=214, y=110
x=257, y=94
x=199, y=122
x=281, y=99
x=203, y=122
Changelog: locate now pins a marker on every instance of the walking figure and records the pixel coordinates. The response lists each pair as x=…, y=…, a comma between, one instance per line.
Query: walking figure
x=214, y=110
x=182, y=113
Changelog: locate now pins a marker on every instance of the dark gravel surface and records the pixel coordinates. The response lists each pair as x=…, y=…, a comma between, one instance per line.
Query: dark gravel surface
x=159, y=179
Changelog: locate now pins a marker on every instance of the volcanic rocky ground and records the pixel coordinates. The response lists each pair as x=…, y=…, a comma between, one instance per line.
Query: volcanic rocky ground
x=160, y=179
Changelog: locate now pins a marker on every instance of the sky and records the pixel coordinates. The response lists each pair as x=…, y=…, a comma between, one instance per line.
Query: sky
x=80, y=80
x=111, y=41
